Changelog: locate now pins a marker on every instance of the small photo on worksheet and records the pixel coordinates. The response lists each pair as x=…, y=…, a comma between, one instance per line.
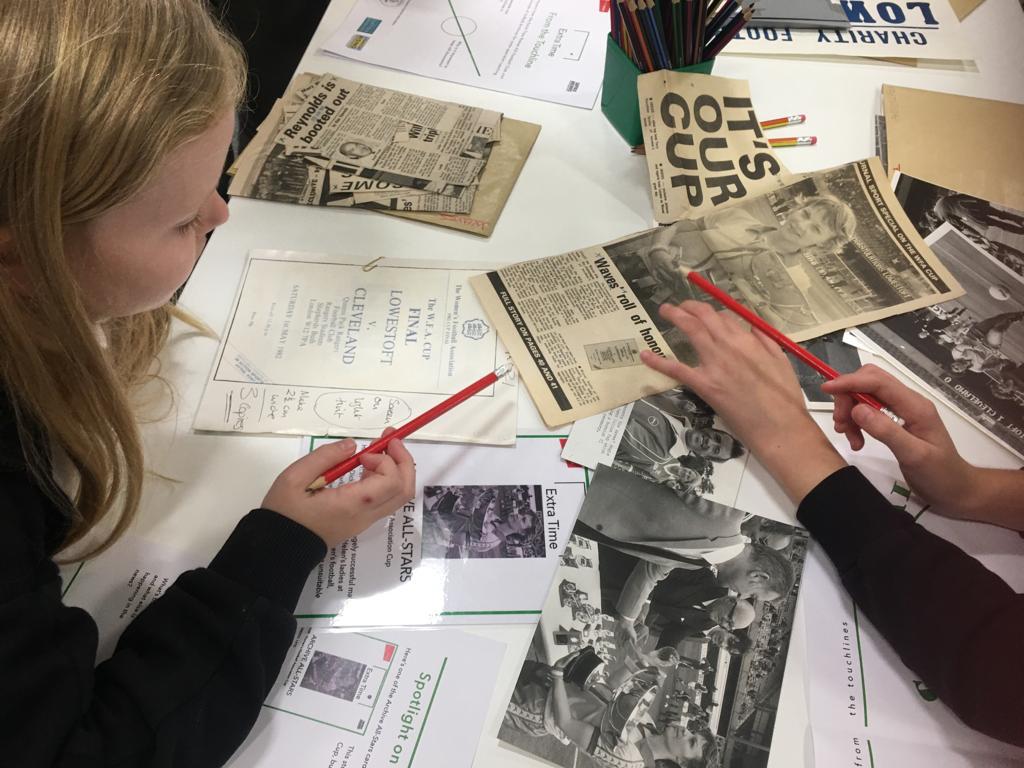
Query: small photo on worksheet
x=483, y=521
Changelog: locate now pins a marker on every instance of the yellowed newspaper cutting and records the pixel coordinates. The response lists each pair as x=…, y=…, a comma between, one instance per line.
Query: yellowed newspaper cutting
x=830, y=251
x=704, y=144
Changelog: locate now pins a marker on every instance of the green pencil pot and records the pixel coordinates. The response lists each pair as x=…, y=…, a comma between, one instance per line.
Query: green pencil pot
x=619, y=100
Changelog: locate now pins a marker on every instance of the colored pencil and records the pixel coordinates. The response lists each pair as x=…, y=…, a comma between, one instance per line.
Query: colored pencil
x=715, y=6
x=381, y=443
x=794, y=141
x=687, y=32
x=700, y=30
x=632, y=19
x=677, y=33
x=631, y=35
x=780, y=338
x=725, y=14
x=713, y=48
x=779, y=122
x=616, y=29
x=654, y=41
x=659, y=29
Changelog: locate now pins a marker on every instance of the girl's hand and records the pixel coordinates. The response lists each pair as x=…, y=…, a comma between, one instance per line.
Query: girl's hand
x=749, y=382
x=338, y=514
x=925, y=451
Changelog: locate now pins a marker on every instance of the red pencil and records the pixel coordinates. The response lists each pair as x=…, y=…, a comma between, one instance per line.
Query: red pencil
x=378, y=445
x=782, y=339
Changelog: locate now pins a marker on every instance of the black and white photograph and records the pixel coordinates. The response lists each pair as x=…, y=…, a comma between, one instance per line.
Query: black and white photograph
x=971, y=349
x=661, y=653
x=816, y=256
x=674, y=440
x=998, y=230
x=334, y=675
x=483, y=521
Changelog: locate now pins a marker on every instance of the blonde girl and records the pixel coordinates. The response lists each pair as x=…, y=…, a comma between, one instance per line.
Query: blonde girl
x=115, y=123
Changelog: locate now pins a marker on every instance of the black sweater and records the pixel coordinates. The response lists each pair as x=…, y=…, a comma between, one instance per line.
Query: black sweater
x=952, y=621
x=189, y=674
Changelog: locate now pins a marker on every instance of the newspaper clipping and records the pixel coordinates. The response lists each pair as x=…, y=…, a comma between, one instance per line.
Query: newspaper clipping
x=704, y=145
x=653, y=654
x=336, y=142
x=830, y=251
x=970, y=350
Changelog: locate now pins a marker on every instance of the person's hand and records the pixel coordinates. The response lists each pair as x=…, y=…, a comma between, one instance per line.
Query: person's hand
x=747, y=379
x=927, y=457
x=338, y=514
x=625, y=633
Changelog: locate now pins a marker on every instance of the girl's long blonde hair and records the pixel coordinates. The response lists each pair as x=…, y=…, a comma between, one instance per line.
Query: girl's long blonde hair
x=95, y=95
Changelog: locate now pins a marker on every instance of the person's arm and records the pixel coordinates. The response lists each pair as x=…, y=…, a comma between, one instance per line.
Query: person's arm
x=927, y=456
x=637, y=588
x=577, y=731
x=952, y=621
x=189, y=675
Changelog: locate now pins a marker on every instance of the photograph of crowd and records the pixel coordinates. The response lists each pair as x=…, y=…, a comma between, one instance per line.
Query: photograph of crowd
x=970, y=349
x=667, y=656
x=483, y=521
x=809, y=258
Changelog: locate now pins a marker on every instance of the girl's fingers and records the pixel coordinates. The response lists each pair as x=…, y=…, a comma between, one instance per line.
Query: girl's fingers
x=681, y=372
x=370, y=497
x=692, y=326
x=316, y=463
x=406, y=466
x=716, y=325
x=872, y=380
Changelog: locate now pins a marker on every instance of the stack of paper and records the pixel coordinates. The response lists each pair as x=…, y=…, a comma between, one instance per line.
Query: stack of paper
x=335, y=142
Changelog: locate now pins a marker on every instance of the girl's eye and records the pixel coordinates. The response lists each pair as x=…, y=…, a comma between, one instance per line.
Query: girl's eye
x=189, y=226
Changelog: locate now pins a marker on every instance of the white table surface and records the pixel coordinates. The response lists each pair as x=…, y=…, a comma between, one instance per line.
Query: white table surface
x=580, y=186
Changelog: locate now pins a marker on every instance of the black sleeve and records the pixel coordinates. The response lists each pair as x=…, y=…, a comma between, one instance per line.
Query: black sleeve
x=189, y=675
x=954, y=622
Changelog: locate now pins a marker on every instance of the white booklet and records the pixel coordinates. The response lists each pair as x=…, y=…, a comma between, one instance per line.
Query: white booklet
x=335, y=345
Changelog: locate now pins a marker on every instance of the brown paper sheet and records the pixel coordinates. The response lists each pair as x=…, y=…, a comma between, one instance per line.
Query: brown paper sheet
x=496, y=182
x=963, y=8
x=968, y=144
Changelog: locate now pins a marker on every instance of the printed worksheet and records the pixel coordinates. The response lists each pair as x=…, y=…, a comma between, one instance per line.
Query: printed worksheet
x=330, y=345
x=348, y=699
x=544, y=49
x=478, y=544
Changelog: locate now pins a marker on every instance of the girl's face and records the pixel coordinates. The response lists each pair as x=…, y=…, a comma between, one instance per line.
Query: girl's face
x=135, y=256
